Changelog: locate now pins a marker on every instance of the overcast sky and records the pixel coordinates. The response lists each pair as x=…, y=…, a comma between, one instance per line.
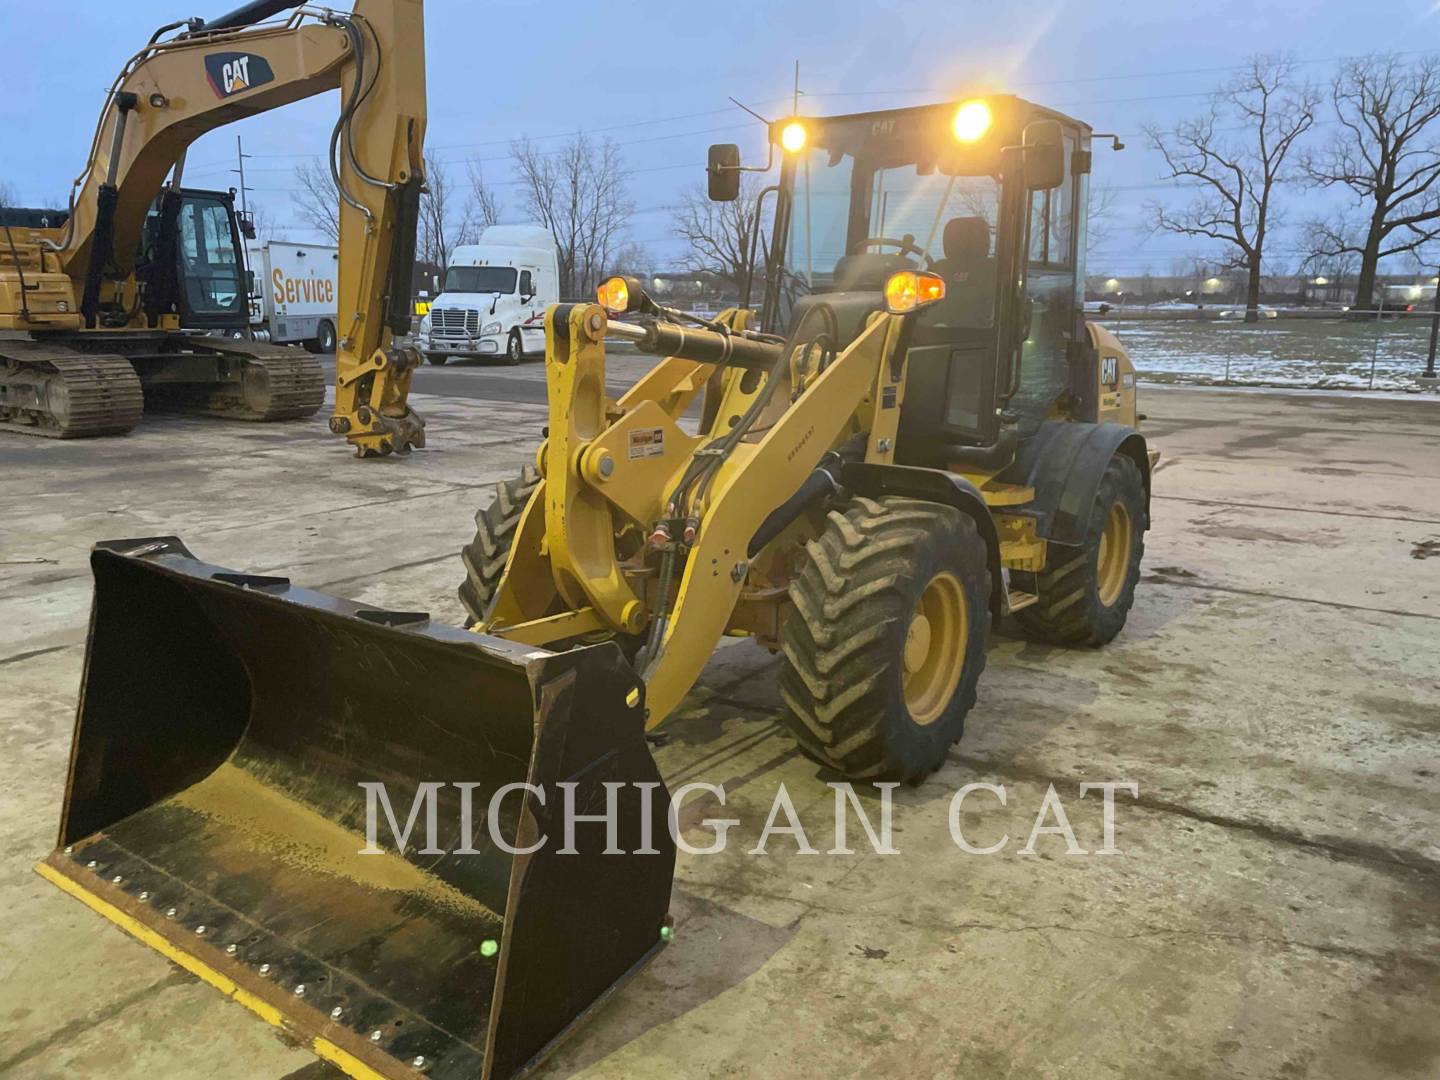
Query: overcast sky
x=655, y=78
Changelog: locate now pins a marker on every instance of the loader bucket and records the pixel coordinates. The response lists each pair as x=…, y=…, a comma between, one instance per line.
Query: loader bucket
x=214, y=810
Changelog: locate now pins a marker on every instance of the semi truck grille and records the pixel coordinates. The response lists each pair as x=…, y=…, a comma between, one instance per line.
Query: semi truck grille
x=454, y=323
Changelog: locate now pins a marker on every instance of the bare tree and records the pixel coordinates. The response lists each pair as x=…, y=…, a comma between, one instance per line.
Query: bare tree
x=443, y=225
x=1324, y=259
x=1101, y=220
x=266, y=228
x=1385, y=152
x=632, y=259
x=1188, y=269
x=484, y=204
x=720, y=234
x=316, y=199
x=1237, y=176
x=579, y=193
x=7, y=194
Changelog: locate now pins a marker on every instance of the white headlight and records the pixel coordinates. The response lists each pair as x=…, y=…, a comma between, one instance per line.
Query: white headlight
x=491, y=328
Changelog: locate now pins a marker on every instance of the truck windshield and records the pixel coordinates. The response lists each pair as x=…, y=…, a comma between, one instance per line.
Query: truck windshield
x=481, y=279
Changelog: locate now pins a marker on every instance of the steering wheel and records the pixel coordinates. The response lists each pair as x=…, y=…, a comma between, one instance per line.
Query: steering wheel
x=905, y=244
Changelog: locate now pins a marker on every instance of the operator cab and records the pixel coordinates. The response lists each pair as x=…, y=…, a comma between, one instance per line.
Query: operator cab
x=941, y=188
x=191, y=261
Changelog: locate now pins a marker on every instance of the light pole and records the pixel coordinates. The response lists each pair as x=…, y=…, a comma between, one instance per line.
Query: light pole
x=1429, y=372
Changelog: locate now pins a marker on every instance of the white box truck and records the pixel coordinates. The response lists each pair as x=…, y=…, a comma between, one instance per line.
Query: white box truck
x=292, y=294
x=493, y=299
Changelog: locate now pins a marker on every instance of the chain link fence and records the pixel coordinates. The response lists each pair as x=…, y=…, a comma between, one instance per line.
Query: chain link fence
x=1388, y=353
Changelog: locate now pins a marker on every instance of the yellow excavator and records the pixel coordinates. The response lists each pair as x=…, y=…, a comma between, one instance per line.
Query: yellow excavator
x=913, y=435
x=100, y=302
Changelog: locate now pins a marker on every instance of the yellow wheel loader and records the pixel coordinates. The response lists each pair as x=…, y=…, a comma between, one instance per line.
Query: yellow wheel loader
x=100, y=302
x=916, y=435
x=913, y=435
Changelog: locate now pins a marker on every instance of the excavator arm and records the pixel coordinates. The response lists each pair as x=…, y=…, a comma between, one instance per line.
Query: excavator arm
x=211, y=74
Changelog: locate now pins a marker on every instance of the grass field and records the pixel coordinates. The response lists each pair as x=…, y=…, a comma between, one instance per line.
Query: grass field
x=1281, y=352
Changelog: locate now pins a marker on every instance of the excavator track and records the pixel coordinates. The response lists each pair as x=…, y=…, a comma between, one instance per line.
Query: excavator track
x=261, y=382
x=55, y=391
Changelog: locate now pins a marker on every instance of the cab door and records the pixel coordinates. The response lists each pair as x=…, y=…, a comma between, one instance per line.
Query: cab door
x=213, y=290
x=1052, y=272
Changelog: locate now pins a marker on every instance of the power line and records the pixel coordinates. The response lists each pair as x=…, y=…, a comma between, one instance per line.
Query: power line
x=1163, y=184
x=1172, y=73
x=1079, y=80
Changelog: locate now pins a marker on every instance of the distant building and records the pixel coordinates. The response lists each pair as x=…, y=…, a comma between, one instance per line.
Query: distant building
x=1228, y=289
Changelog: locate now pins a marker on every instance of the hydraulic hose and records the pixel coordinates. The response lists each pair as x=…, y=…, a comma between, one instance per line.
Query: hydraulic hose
x=821, y=483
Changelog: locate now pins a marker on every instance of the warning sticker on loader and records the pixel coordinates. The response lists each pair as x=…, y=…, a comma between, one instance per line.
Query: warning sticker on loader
x=647, y=442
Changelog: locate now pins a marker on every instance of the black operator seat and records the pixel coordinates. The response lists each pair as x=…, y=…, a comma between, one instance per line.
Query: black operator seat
x=969, y=274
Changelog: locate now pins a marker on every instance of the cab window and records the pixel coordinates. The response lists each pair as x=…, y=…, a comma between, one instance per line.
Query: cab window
x=211, y=275
x=1052, y=219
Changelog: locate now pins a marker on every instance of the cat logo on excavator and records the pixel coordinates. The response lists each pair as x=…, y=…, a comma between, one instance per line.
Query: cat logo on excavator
x=231, y=72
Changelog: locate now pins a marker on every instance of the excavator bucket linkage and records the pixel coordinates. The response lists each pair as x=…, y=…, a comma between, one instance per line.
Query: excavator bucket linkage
x=215, y=810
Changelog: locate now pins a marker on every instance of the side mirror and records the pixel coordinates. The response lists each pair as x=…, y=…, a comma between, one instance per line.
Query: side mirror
x=723, y=170
x=1043, y=153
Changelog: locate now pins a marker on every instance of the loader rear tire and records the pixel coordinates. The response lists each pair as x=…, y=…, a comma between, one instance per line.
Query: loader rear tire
x=1086, y=592
x=887, y=640
x=485, y=556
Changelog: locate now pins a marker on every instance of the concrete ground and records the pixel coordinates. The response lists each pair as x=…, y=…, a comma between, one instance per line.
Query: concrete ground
x=1274, y=908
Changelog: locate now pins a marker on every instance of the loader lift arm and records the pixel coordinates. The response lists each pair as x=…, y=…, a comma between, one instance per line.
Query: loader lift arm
x=178, y=88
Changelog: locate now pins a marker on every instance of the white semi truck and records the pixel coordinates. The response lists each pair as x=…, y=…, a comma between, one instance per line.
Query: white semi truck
x=493, y=299
x=292, y=293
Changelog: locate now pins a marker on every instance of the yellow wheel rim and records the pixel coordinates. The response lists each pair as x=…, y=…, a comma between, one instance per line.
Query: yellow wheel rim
x=1112, y=562
x=935, y=648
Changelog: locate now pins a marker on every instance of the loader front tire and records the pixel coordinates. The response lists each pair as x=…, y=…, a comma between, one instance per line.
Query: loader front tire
x=485, y=556
x=1086, y=592
x=887, y=640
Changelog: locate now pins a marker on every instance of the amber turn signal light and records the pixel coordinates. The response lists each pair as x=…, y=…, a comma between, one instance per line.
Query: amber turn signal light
x=910, y=290
x=614, y=295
